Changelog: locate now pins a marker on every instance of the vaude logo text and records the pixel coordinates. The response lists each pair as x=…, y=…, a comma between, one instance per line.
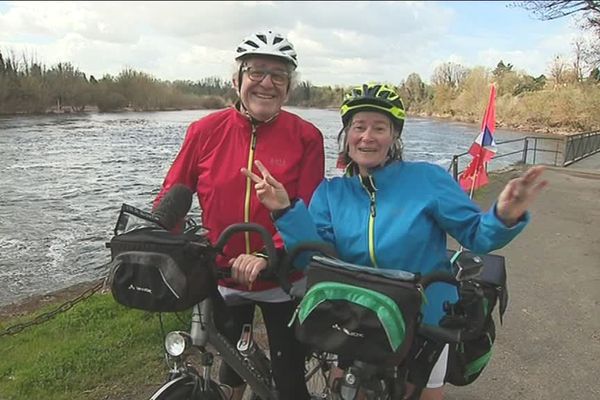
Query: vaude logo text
x=139, y=289
x=347, y=332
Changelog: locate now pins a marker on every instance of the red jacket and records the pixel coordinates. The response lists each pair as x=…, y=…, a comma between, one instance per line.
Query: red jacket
x=214, y=150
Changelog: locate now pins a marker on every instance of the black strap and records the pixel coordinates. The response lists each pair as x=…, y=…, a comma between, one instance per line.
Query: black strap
x=422, y=358
x=502, y=300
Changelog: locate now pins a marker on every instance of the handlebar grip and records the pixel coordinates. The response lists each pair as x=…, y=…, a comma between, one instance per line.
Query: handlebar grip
x=438, y=276
x=439, y=334
x=250, y=227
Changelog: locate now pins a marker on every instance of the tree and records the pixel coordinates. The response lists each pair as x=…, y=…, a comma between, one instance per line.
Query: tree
x=548, y=10
x=578, y=58
x=449, y=74
x=502, y=69
x=473, y=93
x=68, y=86
x=558, y=70
x=415, y=88
x=507, y=80
x=589, y=10
x=530, y=84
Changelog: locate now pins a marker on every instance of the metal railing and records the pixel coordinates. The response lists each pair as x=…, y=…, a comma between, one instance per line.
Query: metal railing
x=580, y=146
x=534, y=150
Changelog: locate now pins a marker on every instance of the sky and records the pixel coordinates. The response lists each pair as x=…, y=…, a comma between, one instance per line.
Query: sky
x=338, y=43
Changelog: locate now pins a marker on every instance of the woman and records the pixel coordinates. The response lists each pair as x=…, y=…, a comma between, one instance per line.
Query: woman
x=389, y=213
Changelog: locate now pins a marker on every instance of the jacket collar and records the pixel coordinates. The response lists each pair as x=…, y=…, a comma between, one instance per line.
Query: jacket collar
x=243, y=120
x=377, y=175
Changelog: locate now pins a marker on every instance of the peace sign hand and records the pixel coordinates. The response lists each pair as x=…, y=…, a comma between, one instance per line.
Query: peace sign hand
x=268, y=190
x=518, y=194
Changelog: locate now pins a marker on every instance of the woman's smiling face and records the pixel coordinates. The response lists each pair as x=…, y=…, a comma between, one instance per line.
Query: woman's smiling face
x=370, y=137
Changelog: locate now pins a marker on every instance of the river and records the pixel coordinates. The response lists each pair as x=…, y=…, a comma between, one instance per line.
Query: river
x=63, y=179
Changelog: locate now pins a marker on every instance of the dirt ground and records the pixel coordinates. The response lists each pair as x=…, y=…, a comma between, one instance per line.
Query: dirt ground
x=549, y=344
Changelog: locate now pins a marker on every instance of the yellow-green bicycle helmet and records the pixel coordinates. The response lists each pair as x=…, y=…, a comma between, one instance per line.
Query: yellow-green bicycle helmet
x=374, y=97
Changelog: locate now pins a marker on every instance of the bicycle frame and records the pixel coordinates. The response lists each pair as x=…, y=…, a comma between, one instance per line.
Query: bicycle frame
x=247, y=360
x=204, y=332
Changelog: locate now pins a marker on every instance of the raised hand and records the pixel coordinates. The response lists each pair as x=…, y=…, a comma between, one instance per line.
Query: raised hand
x=518, y=194
x=268, y=190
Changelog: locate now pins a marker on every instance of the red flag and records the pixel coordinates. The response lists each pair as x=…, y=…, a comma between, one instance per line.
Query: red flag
x=482, y=149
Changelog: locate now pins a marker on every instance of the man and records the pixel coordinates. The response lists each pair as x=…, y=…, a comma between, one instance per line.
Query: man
x=214, y=150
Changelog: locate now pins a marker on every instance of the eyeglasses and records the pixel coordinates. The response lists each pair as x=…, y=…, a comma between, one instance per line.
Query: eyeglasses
x=258, y=74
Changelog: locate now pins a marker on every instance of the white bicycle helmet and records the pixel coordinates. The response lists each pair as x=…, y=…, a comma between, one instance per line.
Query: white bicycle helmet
x=268, y=43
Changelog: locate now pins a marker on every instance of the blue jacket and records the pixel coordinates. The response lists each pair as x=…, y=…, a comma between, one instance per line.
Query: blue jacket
x=401, y=224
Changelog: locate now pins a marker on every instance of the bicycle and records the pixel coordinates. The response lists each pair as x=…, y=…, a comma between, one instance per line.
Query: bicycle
x=248, y=360
x=246, y=357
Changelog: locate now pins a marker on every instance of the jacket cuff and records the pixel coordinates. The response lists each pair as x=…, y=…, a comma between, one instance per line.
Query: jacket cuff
x=275, y=215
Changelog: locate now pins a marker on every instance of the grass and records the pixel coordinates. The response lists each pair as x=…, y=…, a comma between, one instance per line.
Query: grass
x=96, y=350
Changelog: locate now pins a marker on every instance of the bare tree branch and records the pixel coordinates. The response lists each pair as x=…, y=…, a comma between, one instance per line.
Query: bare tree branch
x=547, y=10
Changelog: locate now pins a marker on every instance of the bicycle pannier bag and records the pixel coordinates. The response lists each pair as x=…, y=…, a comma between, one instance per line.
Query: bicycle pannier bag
x=155, y=270
x=358, y=312
x=468, y=358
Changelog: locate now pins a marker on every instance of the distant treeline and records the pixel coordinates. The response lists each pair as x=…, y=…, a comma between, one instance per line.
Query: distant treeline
x=565, y=100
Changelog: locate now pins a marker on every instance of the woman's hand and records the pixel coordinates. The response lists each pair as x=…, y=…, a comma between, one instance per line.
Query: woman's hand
x=246, y=267
x=268, y=190
x=518, y=194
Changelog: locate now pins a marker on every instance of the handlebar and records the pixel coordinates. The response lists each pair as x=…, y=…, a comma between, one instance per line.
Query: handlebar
x=249, y=227
x=272, y=272
x=438, y=276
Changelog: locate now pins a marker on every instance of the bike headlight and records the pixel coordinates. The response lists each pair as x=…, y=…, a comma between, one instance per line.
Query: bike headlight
x=176, y=343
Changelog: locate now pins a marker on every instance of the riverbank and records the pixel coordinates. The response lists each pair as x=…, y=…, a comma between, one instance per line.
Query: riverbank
x=520, y=127
x=30, y=305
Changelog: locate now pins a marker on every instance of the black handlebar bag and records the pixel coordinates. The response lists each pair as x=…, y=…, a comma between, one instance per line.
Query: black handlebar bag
x=477, y=300
x=358, y=312
x=155, y=270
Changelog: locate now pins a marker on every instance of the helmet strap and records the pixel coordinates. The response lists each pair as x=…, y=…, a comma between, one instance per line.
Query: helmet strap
x=239, y=80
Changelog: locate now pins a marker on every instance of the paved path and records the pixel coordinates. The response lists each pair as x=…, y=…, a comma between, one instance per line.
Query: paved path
x=549, y=345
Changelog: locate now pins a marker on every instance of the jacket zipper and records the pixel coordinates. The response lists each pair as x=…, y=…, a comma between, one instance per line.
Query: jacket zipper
x=249, y=185
x=371, y=190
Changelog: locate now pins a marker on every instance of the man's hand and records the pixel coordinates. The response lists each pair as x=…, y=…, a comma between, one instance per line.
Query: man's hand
x=246, y=267
x=270, y=192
